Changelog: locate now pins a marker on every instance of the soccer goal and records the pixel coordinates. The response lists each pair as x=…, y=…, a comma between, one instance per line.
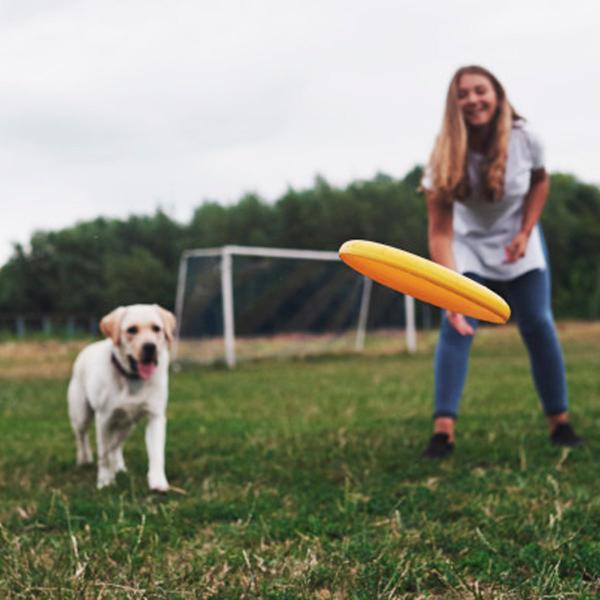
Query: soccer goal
x=244, y=302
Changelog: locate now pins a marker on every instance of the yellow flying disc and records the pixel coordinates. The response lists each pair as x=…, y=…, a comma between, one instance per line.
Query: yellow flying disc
x=424, y=280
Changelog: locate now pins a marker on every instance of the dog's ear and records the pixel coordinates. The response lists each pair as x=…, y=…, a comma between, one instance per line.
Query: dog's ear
x=110, y=325
x=169, y=322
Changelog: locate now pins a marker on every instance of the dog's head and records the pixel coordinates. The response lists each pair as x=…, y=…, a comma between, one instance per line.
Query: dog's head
x=140, y=332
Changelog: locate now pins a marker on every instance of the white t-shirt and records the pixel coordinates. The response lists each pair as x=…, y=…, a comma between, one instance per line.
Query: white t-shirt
x=483, y=228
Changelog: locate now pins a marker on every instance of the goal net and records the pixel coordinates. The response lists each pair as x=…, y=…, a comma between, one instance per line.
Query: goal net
x=239, y=303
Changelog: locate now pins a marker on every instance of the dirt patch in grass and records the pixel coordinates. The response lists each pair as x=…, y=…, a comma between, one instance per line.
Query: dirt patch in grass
x=50, y=359
x=53, y=359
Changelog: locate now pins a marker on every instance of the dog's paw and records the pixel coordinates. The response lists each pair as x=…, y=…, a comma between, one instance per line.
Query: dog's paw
x=104, y=484
x=105, y=479
x=160, y=489
x=158, y=484
x=84, y=457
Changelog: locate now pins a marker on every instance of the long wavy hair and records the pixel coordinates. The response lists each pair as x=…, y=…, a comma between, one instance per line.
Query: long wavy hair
x=448, y=162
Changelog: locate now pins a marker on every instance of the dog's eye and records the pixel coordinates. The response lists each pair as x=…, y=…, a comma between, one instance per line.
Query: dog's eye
x=155, y=328
x=132, y=330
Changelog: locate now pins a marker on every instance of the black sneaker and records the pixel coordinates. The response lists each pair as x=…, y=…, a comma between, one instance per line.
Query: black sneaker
x=439, y=446
x=564, y=435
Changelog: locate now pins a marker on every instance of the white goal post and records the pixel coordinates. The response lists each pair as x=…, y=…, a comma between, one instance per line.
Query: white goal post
x=227, y=254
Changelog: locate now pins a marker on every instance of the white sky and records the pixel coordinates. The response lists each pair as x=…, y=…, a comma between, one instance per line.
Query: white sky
x=115, y=107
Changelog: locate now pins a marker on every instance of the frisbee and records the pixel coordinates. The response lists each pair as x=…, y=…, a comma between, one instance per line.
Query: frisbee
x=425, y=280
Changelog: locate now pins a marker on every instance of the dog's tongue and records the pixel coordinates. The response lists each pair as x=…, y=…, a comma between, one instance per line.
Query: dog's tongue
x=146, y=370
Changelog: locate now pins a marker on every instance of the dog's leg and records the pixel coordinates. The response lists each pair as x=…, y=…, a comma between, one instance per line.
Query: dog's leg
x=117, y=440
x=119, y=426
x=155, y=446
x=118, y=460
x=80, y=413
x=84, y=450
x=106, y=469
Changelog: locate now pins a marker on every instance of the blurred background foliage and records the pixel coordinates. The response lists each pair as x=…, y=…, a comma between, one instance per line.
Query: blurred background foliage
x=89, y=268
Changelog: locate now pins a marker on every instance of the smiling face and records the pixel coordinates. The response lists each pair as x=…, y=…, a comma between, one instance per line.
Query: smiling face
x=140, y=332
x=477, y=99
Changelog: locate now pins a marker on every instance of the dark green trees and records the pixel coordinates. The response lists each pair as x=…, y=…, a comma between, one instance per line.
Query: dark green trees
x=91, y=267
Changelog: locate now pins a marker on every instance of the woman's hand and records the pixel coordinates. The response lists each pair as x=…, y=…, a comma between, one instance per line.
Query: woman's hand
x=459, y=323
x=517, y=247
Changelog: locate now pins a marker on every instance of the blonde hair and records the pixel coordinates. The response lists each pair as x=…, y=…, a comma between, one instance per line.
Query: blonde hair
x=448, y=162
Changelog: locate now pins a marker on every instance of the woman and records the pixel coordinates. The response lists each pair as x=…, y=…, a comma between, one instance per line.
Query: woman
x=486, y=187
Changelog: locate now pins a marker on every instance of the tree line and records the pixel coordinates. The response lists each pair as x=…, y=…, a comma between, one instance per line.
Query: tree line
x=89, y=268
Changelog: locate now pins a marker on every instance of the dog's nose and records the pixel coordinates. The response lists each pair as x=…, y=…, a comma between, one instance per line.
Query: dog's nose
x=148, y=353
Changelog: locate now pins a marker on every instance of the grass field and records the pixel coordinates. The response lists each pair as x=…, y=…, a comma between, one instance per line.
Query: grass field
x=303, y=479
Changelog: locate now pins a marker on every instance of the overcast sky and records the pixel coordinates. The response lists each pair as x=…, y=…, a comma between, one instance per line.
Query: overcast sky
x=114, y=107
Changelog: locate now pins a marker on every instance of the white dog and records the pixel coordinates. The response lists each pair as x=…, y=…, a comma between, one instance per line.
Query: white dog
x=118, y=381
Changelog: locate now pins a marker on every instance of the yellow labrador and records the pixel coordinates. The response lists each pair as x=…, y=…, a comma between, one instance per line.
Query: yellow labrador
x=119, y=380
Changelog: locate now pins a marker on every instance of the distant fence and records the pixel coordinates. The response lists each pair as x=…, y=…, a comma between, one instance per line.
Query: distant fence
x=24, y=325
x=73, y=326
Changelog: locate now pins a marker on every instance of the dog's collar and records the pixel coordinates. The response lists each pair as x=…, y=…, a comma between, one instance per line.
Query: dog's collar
x=122, y=370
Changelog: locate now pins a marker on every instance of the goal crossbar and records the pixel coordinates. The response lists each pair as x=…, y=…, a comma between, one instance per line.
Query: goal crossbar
x=263, y=251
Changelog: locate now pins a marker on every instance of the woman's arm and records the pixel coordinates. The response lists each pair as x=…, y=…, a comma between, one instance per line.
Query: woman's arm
x=533, y=205
x=440, y=235
x=439, y=231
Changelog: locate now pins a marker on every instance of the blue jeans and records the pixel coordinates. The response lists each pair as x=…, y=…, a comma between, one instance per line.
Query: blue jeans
x=529, y=298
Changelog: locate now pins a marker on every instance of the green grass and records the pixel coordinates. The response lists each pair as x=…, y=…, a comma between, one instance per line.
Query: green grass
x=303, y=479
